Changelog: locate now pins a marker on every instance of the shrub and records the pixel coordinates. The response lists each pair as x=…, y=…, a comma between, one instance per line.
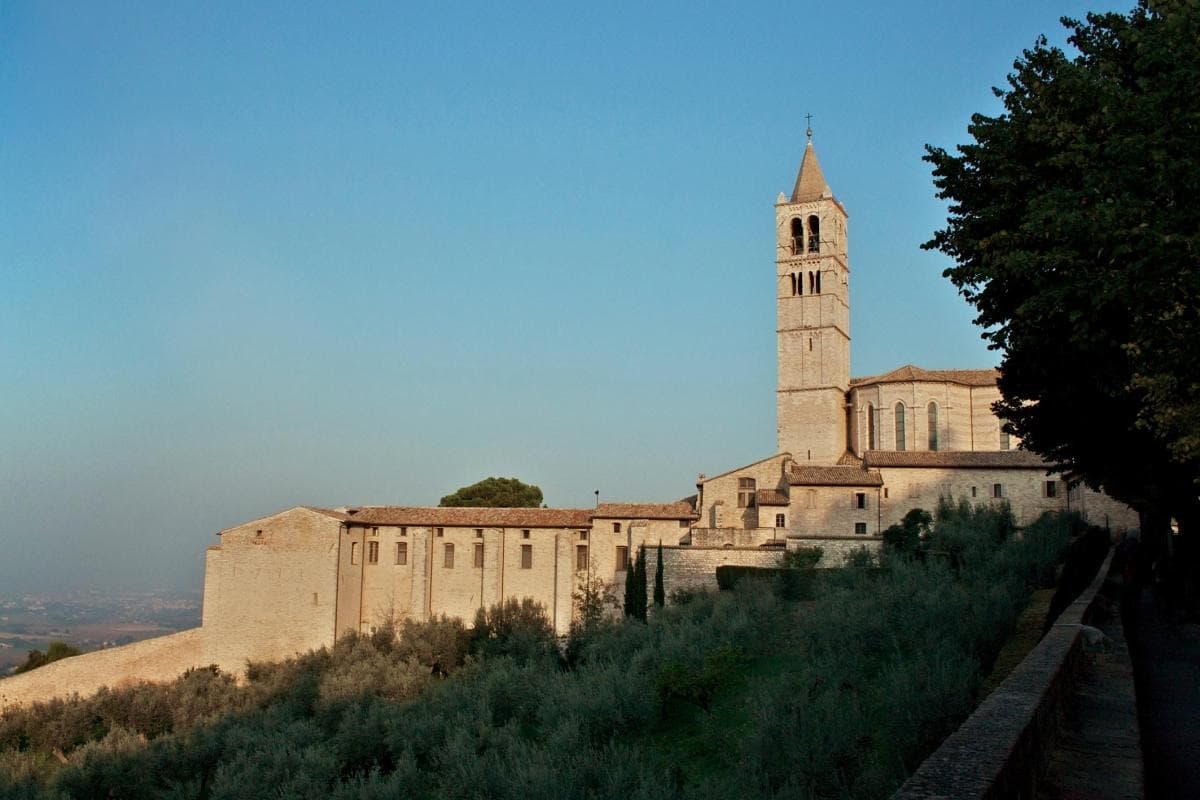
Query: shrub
x=517, y=628
x=905, y=537
x=792, y=583
x=55, y=651
x=860, y=556
x=699, y=683
x=801, y=557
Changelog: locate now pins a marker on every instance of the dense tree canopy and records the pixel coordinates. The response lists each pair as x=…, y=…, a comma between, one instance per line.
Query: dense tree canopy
x=1075, y=227
x=496, y=493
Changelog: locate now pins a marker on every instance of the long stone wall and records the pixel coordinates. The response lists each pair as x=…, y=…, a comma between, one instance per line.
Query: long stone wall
x=695, y=568
x=162, y=658
x=1000, y=749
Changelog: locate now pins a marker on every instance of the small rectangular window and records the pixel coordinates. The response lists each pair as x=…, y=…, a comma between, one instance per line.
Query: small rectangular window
x=354, y=552
x=616, y=527
x=997, y=490
x=779, y=521
x=401, y=553
x=374, y=531
x=441, y=532
x=860, y=499
x=973, y=492
x=1005, y=441
x=525, y=533
x=583, y=536
x=448, y=561
x=1051, y=489
x=526, y=556
x=479, y=555
x=372, y=552
x=860, y=528
x=404, y=531
x=581, y=557
x=622, y=558
x=479, y=533
x=913, y=491
x=885, y=493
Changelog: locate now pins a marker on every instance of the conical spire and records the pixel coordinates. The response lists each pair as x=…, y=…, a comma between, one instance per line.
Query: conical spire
x=810, y=183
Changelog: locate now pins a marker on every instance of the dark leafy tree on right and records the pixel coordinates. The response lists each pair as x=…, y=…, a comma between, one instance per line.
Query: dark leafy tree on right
x=1074, y=224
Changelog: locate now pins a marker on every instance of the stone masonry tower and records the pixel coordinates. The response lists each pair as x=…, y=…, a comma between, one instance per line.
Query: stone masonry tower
x=813, y=318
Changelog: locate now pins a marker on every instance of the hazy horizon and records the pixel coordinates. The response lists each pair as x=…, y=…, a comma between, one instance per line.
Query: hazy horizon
x=262, y=256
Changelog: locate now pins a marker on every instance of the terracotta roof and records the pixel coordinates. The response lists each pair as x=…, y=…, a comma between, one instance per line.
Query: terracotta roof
x=810, y=181
x=772, y=497
x=683, y=509
x=848, y=459
x=832, y=476
x=910, y=373
x=965, y=459
x=467, y=517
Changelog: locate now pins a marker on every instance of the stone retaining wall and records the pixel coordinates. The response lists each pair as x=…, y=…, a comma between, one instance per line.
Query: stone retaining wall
x=1001, y=748
x=162, y=658
x=695, y=568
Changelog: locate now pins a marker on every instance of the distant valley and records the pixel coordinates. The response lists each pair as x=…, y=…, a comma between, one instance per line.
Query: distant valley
x=89, y=620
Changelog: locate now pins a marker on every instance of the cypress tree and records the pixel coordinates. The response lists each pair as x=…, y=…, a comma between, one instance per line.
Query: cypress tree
x=639, y=580
x=660, y=596
x=631, y=590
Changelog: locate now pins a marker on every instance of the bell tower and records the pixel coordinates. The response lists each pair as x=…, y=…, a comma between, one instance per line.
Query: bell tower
x=812, y=274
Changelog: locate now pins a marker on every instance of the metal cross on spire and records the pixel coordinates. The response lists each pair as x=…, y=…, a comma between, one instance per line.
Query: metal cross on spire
x=808, y=132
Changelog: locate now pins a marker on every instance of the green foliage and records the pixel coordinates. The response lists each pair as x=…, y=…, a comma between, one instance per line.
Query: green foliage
x=660, y=595
x=516, y=628
x=54, y=651
x=855, y=686
x=966, y=533
x=861, y=557
x=635, y=587
x=698, y=684
x=801, y=557
x=495, y=493
x=905, y=538
x=792, y=583
x=1073, y=220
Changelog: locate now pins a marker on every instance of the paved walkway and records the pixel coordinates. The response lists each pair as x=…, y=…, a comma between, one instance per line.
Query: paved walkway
x=1096, y=754
x=1166, y=658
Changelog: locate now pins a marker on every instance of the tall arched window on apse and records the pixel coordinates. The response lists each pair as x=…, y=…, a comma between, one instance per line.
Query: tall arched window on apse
x=933, y=426
x=870, y=427
x=899, y=426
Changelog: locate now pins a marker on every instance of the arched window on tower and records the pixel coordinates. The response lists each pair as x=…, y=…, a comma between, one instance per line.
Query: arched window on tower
x=818, y=282
x=899, y=426
x=814, y=234
x=797, y=236
x=870, y=427
x=793, y=277
x=933, y=426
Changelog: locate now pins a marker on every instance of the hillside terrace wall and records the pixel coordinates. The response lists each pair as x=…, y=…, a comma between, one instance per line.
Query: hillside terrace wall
x=695, y=568
x=162, y=658
x=999, y=751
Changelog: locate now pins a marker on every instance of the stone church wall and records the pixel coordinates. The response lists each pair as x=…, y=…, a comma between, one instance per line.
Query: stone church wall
x=719, y=494
x=833, y=510
x=271, y=589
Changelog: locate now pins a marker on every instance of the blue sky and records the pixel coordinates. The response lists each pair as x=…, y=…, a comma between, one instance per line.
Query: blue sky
x=259, y=255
